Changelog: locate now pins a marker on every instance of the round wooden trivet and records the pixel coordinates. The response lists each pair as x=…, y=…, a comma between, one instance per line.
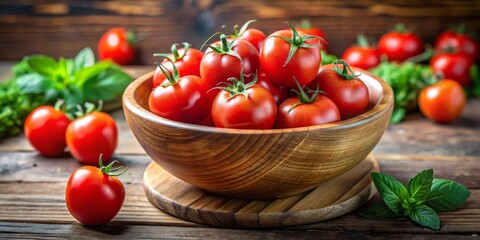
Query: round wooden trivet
x=331, y=199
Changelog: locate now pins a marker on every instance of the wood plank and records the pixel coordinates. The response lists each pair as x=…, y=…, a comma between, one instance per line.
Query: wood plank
x=63, y=28
x=61, y=231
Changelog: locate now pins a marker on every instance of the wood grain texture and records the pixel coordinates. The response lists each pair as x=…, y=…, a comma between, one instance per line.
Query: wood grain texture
x=64, y=27
x=330, y=199
x=32, y=192
x=257, y=164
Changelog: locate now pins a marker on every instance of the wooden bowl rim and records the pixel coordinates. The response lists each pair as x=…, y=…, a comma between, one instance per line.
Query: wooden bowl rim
x=378, y=110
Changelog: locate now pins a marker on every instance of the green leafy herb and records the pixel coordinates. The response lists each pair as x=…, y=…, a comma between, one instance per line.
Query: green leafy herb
x=40, y=79
x=328, y=58
x=474, y=89
x=407, y=80
x=420, y=200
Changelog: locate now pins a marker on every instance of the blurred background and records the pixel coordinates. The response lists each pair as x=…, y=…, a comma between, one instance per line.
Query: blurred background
x=62, y=28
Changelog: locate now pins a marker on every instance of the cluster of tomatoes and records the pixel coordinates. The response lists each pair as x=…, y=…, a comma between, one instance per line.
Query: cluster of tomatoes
x=93, y=194
x=454, y=55
x=242, y=81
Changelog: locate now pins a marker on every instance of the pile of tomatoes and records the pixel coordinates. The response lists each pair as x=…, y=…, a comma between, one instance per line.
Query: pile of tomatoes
x=243, y=81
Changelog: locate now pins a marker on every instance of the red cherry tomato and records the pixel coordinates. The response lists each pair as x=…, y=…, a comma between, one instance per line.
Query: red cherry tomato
x=241, y=106
x=181, y=99
x=187, y=61
x=307, y=28
x=252, y=35
x=454, y=66
x=279, y=93
x=302, y=66
x=457, y=41
x=217, y=67
x=45, y=129
x=117, y=44
x=321, y=110
x=92, y=135
x=400, y=45
x=442, y=102
x=348, y=92
x=94, y=196
x=362, y=55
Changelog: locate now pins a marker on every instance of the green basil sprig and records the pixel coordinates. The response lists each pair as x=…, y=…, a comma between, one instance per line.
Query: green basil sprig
x=423, y=197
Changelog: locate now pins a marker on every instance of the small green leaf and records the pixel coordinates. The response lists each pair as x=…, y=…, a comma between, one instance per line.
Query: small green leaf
x=446, y=195
x=419, y=186
x=21, y=68
x=42, y=64
x=107, y=85
x=85, y=74
x=328, y=58
x=34, y=83
x=425, y=216
x=72, y=96
x=392, y=191
x=398, y=115
x=378, y=211
x=85, y=58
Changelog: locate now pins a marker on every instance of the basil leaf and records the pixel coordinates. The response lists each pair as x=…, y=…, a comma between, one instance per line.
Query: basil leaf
x=64, y=69
x=446, y=195
x=419, y=186
x=85, y=74
x=21, y=68
x=42, y=64
x=392, y=191
x=107, y=85
x=34, y=83
x=378, y=211
x=425, y=216
x=85, y=58
x=72, y=96
x=398, y=115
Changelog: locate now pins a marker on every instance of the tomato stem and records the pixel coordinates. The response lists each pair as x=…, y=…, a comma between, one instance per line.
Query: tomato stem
x=346, y=72
x=297, y=42
x=238, y=87
x=239, y=31
x=362, y=41
x=108, y=169
x=400, y=27
x=172, y=78
x=174, y=52
x=427, y=54
x=303, y=97
x=88, y=108
x=460, y=29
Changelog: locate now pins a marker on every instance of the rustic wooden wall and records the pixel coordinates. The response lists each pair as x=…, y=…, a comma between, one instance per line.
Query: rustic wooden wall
x=61, y=28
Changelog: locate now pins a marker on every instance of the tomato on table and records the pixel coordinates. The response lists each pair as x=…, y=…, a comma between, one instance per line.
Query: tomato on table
x=400, y=44
x=244, y=106
x=118, y=44
x=252, y=35
x=442, y=102
x=94, y=195
x=45, y=129
x=180, y=99
x=186, y=60
x=457, y=40
x=454, y=66
x=93, y=133
x=288, y=56
x=344, y=88
x=362, y=55
x=227, y=59
x=305, y=110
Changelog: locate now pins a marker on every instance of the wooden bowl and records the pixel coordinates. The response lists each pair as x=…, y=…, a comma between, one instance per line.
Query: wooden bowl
x=257, y=164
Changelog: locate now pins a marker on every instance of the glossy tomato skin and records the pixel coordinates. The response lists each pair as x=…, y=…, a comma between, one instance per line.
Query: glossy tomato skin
x=303, y=66
x=45, y=129
x=454, y=66
x=362, y=57
x=114, y=45
x=187, y=65
x=257, y=111
x=93, y=197
x=279, y=93
x=442, y=102
x=321, y=111
x=350, y=96
x=400, y=46
x=457, y=42
x=184, y=101
x=216, y=68
x=91, y=135
x=253, y=36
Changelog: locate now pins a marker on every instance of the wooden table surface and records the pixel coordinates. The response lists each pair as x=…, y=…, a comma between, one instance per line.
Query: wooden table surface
x=32, y=188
